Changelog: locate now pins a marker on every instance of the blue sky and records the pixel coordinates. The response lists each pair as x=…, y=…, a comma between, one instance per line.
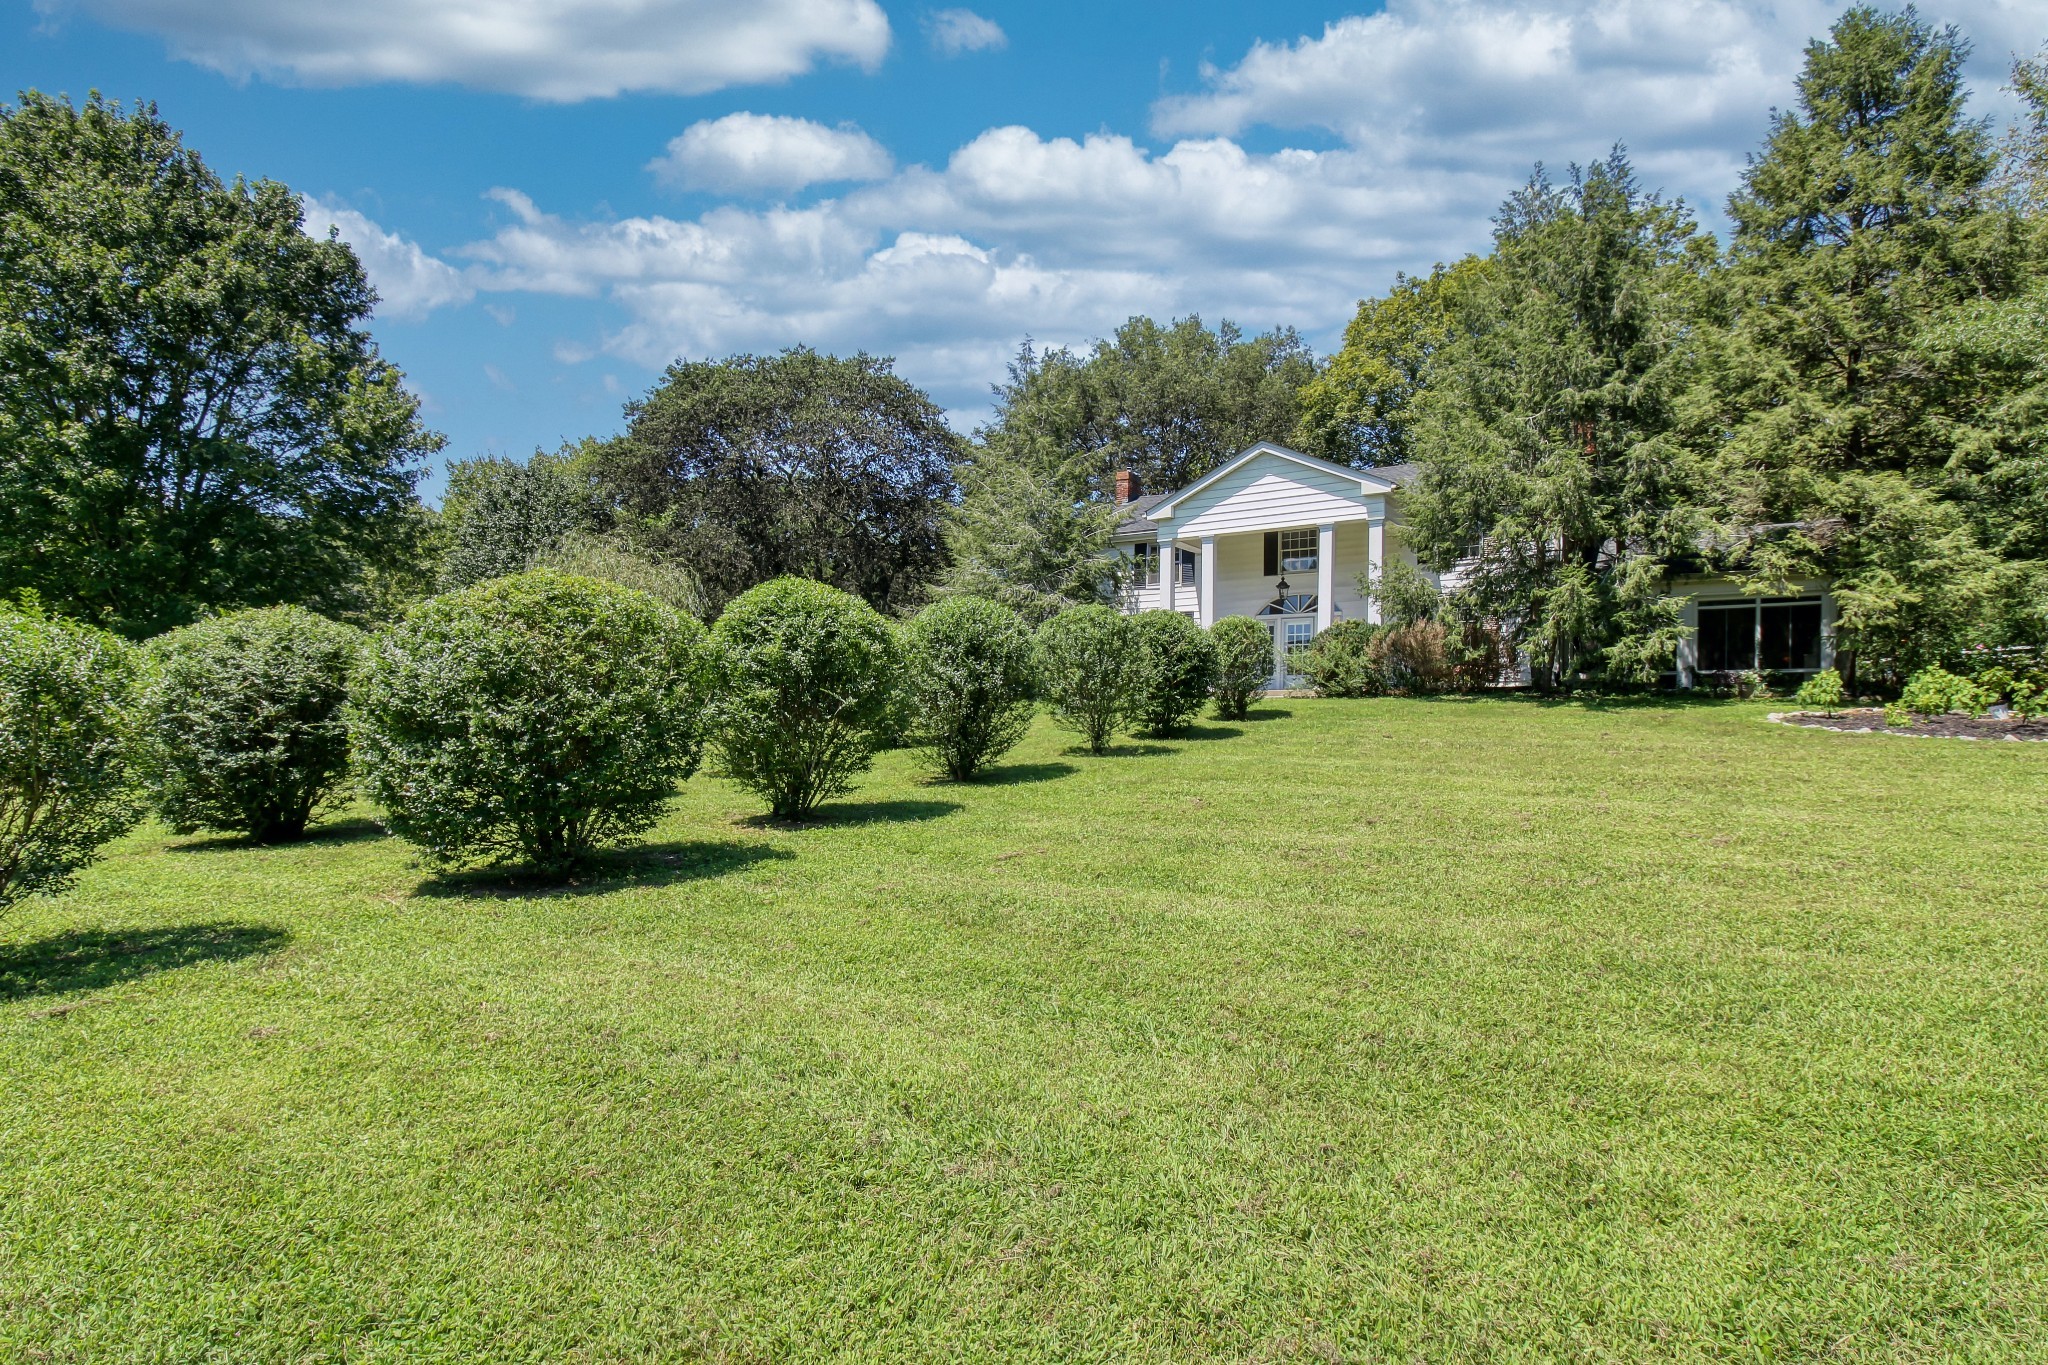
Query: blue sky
x=556, y=197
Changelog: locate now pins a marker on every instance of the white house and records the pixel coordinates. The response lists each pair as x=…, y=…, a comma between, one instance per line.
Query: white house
x=1283, y=537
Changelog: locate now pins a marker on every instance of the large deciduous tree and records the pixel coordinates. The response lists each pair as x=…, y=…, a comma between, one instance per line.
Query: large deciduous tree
x=192, y=415
x=1024, y=535
x=1544, y=427
x=823, y=467
x=1865, y=224
x=1168, y=401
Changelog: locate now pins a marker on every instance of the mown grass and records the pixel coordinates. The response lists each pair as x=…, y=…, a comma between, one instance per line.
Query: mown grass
x=1359, y=1030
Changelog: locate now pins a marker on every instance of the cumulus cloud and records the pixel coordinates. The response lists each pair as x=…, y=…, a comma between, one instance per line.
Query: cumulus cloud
x=1438, y=109
x=557, y=50
x=749, y=152
x=409, y=282
x=957, y=31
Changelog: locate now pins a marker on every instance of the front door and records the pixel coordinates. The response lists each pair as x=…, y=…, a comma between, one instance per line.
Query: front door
x=1289, y=634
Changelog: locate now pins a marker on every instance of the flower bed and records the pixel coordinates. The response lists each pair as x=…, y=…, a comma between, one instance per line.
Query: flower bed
x=1871, y=721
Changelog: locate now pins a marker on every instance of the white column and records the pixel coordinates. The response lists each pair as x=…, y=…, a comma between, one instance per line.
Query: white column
x=1166, y=570
x=1205, y=603
x=1326, y=575
x=1375, y=563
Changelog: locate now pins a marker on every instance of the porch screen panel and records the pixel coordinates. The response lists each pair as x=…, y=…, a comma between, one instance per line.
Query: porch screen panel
x=1791, y=635
x=1727, y=637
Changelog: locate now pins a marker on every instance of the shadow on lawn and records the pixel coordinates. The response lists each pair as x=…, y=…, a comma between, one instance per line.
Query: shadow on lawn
x=338, y=832
x=1268, y=713
x=645, y=865
x=91, y=959
x=1012, y=773
x=1199, y=732
x=859, y=813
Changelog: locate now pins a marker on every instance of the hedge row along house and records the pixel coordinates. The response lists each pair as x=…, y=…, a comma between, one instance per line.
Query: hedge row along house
x=1284, y=538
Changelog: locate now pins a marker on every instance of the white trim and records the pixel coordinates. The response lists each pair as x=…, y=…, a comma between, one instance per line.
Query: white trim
x=1368, y=482
x=1205, y=593
x=1326, y=574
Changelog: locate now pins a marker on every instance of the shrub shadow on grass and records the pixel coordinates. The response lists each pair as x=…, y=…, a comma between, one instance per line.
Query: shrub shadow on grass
x=337, y=832
x=92, y=959
x=1136, y=749
x=858, y=813
x=1210, y=732
x=647, y=864
x=1268, y=713
x=1012, y=773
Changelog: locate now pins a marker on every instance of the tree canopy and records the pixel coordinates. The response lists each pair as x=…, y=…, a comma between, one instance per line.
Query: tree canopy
x=192, y=415
x=816, y=466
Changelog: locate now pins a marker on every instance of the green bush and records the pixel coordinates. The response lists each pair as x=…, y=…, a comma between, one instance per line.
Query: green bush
x=1339, y=662
x=969, y=676
x=537, y=717
x=1176, y=667
x=808, y=683
x=1934, y=691
x=1410, y=658
x=2022, y=687
x=246, y=720
x=1086, y=660
x=68, y=740
x=1823, y=690
x=1244, y=663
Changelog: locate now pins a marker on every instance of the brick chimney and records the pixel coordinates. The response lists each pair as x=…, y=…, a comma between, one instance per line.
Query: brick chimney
x=1127, y=487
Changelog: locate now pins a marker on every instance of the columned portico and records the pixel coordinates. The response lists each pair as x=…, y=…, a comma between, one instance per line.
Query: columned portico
x=1205, y=593
x=1326, y=574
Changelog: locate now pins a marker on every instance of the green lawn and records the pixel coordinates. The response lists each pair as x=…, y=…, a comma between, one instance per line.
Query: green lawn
x=1360, y=1030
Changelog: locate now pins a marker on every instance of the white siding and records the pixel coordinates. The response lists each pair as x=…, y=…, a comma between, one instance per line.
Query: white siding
x=1270, y=492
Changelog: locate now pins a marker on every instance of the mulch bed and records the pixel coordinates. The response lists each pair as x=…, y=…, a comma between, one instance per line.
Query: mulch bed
x=1937, y=727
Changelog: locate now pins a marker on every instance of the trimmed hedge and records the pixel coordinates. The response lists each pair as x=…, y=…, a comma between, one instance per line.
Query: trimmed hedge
x=970, y=680
x=246, y=720
x=1086, y=659
x=539, y=717
x=1176, y=667
x=68, y=741
x=1244, y=663
x=808, y=678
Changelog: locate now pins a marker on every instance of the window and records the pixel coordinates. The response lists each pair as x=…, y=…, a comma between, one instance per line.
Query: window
x=1297, y=634
x=1294, y=604
x=1145, y=565
x=1298, y=550
x=1185, y=561
x=1781, y=634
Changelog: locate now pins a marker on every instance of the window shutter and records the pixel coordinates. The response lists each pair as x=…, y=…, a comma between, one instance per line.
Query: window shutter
x=1272, y=553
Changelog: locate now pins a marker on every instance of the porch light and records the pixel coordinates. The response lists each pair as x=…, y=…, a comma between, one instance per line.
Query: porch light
x=1281, y=586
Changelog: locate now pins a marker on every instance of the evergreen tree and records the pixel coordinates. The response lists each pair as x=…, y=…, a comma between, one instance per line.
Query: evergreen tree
x=1544, y=427
x=1864, y=224
x=1021, y=536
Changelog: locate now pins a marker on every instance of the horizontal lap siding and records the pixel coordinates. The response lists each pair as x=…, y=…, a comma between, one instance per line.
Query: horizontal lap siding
x=1269, y=493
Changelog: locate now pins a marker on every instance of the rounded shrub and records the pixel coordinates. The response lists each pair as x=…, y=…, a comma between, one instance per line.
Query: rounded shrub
x=969, y=674
x=538, y=717
x=1411, y=658
x=68, y=741
x=1176, y=667
x=246, y=719
x=1244, y=663
x=808, y=679
x=1822, y=691
x=1340, y=663
x=1086, y=661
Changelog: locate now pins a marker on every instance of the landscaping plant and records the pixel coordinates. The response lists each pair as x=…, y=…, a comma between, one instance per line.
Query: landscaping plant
x=1176, y=667
x=538, y=717
x=1339, y=663
x=1823, y=691
x=246, y=722
x=1244, y=663
x=969, y=676
x=67, y=743
x=1411, y=657
x=1087, y=668
x=808, y=678
x=1934, y=691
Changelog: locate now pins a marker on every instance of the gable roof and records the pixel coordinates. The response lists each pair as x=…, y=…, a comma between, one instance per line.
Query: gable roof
x=1139, y=513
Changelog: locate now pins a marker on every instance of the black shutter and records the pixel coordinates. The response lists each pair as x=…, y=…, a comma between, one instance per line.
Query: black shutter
x=1272, y=553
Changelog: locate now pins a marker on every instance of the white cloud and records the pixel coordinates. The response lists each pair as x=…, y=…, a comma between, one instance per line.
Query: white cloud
x=409, y=282
x=957, y=31
x=1439, y=108
x=746, y=152
x=558, y=50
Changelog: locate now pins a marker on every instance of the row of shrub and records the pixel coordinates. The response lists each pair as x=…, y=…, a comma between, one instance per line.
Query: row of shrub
x=543, y=716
